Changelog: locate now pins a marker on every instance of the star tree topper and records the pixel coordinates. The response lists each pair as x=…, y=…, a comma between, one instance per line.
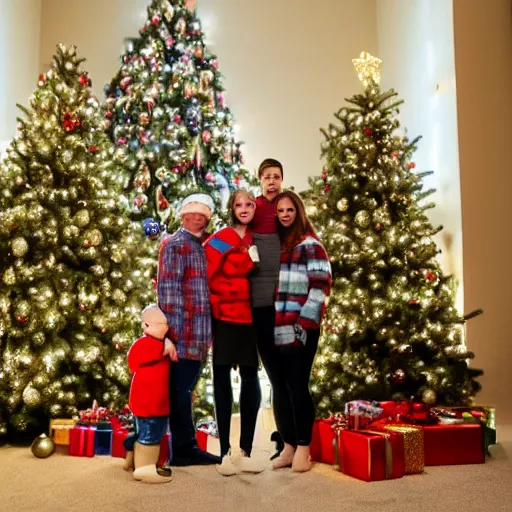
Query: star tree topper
x=367, y=67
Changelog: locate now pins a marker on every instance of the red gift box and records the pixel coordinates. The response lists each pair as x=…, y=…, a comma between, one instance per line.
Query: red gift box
x=81, y=441
x=454, y=444
x=118, y=437
x=202, y=439
x=323, y=445
x=371, y=456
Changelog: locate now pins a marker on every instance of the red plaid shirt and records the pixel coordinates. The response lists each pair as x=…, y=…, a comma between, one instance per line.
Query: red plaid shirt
x=183, y=296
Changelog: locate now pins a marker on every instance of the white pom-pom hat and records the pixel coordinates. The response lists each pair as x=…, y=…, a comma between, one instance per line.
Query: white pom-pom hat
x=197, y=203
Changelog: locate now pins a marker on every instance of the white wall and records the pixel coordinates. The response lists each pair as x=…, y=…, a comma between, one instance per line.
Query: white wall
x=19, y=59
x=287, y=64
x=416, y=46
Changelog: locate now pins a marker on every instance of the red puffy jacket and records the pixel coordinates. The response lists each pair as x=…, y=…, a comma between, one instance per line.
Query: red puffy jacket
x=228, y=265
x=149, y=392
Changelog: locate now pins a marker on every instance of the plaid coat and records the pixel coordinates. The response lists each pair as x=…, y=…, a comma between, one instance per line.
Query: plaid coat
x=183, y=296
x=304, y=283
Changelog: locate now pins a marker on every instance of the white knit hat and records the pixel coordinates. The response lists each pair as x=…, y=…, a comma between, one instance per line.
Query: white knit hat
x=197, y=203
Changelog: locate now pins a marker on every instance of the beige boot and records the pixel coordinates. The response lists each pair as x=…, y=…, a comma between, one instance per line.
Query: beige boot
x=145, y=459
x=128, y=462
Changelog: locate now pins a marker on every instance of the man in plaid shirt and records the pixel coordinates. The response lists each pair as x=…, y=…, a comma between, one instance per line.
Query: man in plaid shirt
x=183, y=296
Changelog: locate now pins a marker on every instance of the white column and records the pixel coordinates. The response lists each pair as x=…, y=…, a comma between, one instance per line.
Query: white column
x=20, y=31
x=416, y=46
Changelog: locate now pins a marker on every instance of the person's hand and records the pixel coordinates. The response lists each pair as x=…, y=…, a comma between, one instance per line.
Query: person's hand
x=170, y=350
x=300, y=334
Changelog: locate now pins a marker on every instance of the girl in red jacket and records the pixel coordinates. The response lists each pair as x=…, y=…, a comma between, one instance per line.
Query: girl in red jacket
x=231, y=256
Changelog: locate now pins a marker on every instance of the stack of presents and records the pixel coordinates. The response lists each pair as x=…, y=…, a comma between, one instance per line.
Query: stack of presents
x=99, y=431
x=384, y=440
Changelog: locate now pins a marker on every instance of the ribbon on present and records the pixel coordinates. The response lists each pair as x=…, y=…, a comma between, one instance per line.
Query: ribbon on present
x=338, y=424
x=388, y=452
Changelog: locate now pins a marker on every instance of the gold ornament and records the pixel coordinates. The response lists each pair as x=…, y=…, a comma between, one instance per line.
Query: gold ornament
x=9, y=277
x=342, y=204
x=42, y=447
x=362, y=219
x=31, y=396
x=94, y=237
x=429, y=396
x=82, y=218
x=367, y=68
x=19, y=247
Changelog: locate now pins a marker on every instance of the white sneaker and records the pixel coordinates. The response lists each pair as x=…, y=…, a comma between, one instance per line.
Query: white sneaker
x=251, y=465
x=227, y=468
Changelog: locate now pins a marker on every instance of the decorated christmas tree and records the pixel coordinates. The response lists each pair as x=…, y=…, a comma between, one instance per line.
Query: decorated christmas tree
x=168, y=117
x=392, y=330
x=73, y=267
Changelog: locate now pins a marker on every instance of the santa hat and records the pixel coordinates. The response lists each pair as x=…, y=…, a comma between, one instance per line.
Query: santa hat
x=197, y=203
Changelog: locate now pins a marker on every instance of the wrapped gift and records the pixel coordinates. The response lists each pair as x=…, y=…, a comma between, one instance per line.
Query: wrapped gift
x=315, y=448
x=81, y=441
x=371, y=455
x=103, y=438
x=360, y=413
x=202, y=439
x=118, y=437
x=60, y=429
x=454, y=444
x=486, y=415
x=414, y=451
x=406, y=412
x=324, y=445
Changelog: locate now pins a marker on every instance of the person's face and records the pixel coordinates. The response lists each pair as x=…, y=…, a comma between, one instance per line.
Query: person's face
x=194, y=222
x=244, y=209
x=286, y=212
x=271, y=181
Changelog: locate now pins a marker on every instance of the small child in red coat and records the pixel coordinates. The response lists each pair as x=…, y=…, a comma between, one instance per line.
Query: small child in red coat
x=149, y=359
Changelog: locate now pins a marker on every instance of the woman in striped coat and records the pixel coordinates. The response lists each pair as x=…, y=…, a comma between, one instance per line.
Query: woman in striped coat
x=304, y=283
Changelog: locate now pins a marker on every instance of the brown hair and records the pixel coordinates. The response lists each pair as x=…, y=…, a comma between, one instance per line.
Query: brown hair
x=231, y=203
x=270, y=162
x=300, y=228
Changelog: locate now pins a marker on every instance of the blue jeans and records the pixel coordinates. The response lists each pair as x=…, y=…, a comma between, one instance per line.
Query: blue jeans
x=184, y=376
x=148, y=431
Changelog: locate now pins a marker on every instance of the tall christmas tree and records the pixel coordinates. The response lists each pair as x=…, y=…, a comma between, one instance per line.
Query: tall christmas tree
x=168, y=117
x=392, y=330
x=73, y=266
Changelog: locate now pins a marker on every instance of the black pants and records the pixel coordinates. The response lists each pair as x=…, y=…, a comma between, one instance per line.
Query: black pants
x=250, y=398
x=296, y=401
x=279, y=367
x=184, y=376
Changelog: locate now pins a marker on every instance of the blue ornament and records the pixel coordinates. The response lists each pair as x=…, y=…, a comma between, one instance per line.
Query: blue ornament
x=151, y=228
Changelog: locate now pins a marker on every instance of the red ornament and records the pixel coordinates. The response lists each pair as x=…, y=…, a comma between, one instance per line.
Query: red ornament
x=398, y=377
x=67, y=123
x=87, y=243
x=121, y=141
x=394, y=155
x=42, y=79
x=109, y=114
x=206, y=136
x=177, y=119
x=93, y=149
x=324, y=174
x=326, y=189
x=82, y=307
x=155, y=20
x=151, y=104
x=415, y=304
x=169, y=41
x=83, y=79
x=378, y=227
x=237, y=180
x=411, y=165
x=21, y=319
x=368, y=131
x=430, y=276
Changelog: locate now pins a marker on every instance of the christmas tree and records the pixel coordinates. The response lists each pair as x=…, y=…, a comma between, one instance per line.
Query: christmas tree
x=74, y=268
x=168, y=117
x=392, y=330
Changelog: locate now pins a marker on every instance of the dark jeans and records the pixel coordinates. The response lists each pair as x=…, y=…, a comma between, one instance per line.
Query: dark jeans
x=296, y=401
x=184, y=376
x=250, y=399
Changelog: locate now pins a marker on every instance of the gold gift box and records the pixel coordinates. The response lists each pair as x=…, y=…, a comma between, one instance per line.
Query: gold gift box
x=414, y=447
x=59, y=430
